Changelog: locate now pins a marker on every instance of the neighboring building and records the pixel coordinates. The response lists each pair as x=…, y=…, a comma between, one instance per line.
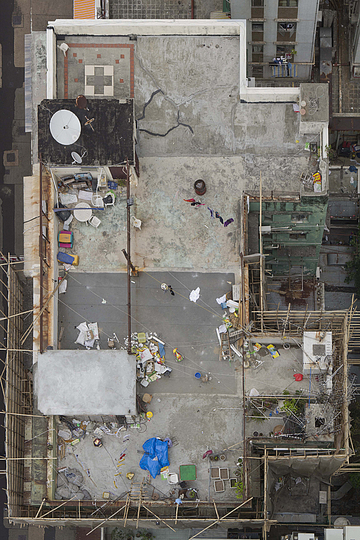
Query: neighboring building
x=354, y=15
x=292, y=233
x=281, y=28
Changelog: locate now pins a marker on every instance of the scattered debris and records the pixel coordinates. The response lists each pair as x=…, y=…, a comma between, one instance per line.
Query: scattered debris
x=194, y=295
x=63, y=286
x=70, y=485
x=150, y=355
x=178, y=356
x=88, y=334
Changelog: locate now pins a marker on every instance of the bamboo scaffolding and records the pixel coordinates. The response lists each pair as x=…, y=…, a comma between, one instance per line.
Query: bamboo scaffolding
x=221, y=519
x=162, y=521
x=105, y=520
x=57, y=507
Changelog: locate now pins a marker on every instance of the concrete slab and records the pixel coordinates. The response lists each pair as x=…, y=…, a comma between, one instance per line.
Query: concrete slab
x=86, y=382
x=177, y=321
x=190, y=85
x=175, y=235
x=194, y=423
x=276, y=375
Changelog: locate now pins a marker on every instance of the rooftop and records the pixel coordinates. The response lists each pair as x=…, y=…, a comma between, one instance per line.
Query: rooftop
x=195, y=119
x=104, y=136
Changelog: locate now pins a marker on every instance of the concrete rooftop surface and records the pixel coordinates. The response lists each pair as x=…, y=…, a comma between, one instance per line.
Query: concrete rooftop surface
x=190, y=125
x=174, y=235
x=185, y=409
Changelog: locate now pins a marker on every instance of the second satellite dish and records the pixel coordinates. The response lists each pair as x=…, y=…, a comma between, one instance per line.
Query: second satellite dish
x=65, y=127
x=76, y=157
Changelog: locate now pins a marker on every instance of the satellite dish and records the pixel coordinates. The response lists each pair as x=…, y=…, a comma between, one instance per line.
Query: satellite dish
x=65, y=127
x=76, y=158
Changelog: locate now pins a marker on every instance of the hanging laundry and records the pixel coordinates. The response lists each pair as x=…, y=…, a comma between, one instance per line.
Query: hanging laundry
x=193, y=202
x=228, y=221
x=197, y=203
x=217, y=215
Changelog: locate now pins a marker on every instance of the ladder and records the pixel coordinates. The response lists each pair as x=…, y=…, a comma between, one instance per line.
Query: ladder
x=225, y=351
x=135, y=496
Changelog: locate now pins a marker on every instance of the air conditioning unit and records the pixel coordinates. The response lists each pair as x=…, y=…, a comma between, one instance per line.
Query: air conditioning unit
x=317, y=352
x=251, y=82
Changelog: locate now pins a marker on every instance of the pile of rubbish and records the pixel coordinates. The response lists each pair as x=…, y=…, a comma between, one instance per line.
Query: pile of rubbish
x=70, y=486
x=150, y=356
x=88, y=335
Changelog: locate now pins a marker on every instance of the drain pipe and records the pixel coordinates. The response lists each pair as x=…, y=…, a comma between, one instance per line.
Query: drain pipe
x=192, y=9
x=128, y=205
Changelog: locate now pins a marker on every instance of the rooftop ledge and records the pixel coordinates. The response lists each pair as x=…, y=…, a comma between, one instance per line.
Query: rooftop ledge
x=149, y=27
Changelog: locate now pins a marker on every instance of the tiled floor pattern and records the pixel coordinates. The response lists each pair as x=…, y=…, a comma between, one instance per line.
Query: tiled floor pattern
x=99, y=80
x=99, y=70
x=150, y=9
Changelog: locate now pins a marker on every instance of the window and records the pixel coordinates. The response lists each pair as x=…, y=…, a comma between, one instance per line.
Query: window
x=284, y=50
x=297, y=236
x=257, y=72
x=257, y=49
x=287, y=28
x=288, y=3
x=257, y=3
x=299, y=218
x=257, y=27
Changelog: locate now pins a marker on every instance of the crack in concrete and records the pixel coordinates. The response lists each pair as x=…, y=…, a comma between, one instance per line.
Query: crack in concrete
x=170, y=129
x=167, y=98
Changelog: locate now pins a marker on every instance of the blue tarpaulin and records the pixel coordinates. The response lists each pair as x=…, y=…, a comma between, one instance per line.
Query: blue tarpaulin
x=155, y=457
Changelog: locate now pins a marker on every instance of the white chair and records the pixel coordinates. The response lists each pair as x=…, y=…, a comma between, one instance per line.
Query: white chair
x=94, y=221
x=172, y=478
x=136, y=222
x=97, y=200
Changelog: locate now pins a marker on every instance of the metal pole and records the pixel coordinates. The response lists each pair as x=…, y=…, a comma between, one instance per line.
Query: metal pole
x=128, y=257
x=41, y=259
x=261, y=261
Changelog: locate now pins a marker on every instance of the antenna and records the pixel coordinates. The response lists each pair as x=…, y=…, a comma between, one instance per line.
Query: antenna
x=76, y=157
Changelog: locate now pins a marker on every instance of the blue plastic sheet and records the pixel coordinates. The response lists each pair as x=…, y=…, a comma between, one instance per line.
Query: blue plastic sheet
x=161, y=350
x=155, y=457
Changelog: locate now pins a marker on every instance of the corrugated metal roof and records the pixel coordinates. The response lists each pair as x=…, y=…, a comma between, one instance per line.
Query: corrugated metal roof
x=84, y=9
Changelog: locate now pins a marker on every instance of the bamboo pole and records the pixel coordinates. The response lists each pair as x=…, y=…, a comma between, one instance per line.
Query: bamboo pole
x=38, y=512
x=176, y=514
x=23, y=414
x=16, y=314
x=216, y=510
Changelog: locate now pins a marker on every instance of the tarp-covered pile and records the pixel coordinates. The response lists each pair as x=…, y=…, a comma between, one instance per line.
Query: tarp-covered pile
x=155, y=457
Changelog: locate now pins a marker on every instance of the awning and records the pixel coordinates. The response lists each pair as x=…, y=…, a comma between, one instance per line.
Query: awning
x=84, y=9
